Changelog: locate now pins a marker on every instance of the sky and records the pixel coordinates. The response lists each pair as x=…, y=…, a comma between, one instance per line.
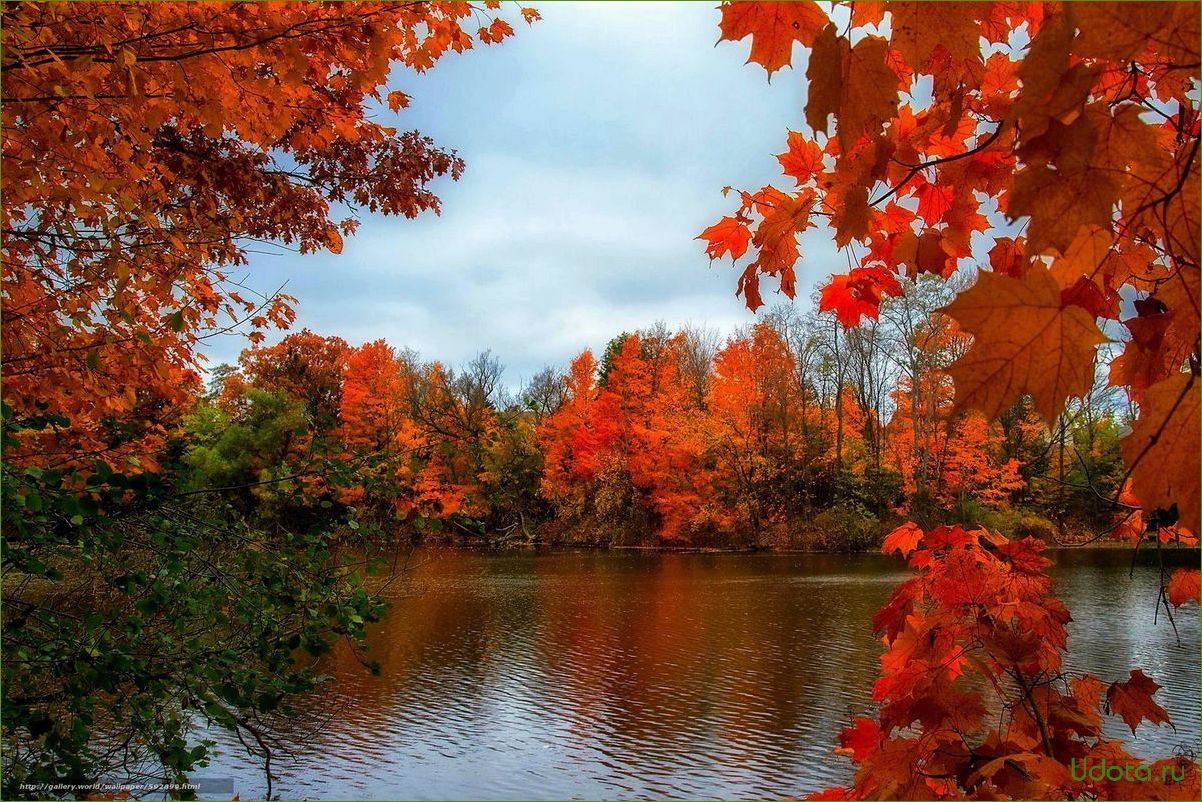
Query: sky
x=597, y=142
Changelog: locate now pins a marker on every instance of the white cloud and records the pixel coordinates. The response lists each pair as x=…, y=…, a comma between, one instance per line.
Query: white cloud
x=597, y=143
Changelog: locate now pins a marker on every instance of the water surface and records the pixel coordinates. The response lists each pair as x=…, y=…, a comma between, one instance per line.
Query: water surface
x=602, y=675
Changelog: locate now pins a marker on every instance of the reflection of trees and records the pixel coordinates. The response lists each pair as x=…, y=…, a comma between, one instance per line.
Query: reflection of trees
x=677, y=658
x=660, y=672
x=650, y=660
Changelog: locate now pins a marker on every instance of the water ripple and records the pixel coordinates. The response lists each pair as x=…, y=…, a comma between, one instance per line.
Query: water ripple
x=600, y=675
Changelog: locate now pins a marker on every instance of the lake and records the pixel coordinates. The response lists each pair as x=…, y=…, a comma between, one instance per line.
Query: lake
x=602, y=675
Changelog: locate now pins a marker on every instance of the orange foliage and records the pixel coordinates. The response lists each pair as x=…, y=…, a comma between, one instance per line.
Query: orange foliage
x=960, y=455
x=305, y=365
x=638, y=427
x=695, y=466
x=399, y=461
x=373, y=399
x=567, y=440
x=146, y=145
x=754, y=407
x=978, y=630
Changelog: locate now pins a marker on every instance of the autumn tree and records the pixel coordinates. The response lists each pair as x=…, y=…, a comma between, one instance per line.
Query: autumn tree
x=629, y=451
x=805, y=347
x=754, y=407
x=544, y=393
x=565, y=436
x=645, y=446
x=697, y=348
x=146, y=147
x=308, y=367
x=921, y=343
x=379, y=437
x=458, y=412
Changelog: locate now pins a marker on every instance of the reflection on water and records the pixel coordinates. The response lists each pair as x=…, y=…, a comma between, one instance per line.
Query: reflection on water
x=603, y=675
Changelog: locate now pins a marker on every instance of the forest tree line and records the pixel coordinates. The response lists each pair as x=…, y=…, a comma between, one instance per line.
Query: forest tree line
x=792, y=433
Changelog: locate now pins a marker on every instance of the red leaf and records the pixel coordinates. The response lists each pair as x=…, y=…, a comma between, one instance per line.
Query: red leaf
x=1183, y=586
x=728, y=235
x=861, y=739
x=1132, y=700
x=904, y=539
x=933, y=202
x=858, y=294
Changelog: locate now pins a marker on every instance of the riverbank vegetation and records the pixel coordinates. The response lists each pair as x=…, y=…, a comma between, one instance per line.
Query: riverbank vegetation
x=794, y=433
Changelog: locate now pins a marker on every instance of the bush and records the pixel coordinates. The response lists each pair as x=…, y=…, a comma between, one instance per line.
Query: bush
x=1015, y=523
x=924, y=511
x=1032, y=525
x=876, y=490
x=848, y=526
x=971, y=514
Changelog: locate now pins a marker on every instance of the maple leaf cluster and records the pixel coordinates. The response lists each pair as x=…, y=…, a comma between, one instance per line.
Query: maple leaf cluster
x=974, y=700
x=147, y=146
x=1058, y=142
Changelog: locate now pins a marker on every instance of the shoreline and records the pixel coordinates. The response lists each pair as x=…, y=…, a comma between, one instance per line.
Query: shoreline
x=561, y=545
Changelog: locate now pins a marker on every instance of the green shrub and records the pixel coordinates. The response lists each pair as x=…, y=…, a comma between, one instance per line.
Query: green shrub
x=1031, y=525
x=876, y=490
x=848, y=526
x=972, y=514
x=1011, y=522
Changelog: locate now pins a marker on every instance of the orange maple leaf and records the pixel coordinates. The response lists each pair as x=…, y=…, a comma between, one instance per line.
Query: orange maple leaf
x=1024, y=342
x=803, y=159
x=1183, y=586
x=728, y=235
x=1132, y=700
x=904, y=539
x=773, y=28
x=1162, y=449
x=854, y=83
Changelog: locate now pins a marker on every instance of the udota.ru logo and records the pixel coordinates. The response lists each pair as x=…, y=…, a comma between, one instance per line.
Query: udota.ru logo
x=1131, y=772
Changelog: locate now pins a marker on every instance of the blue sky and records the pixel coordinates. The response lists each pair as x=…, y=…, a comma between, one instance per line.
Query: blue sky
x=597, y=142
